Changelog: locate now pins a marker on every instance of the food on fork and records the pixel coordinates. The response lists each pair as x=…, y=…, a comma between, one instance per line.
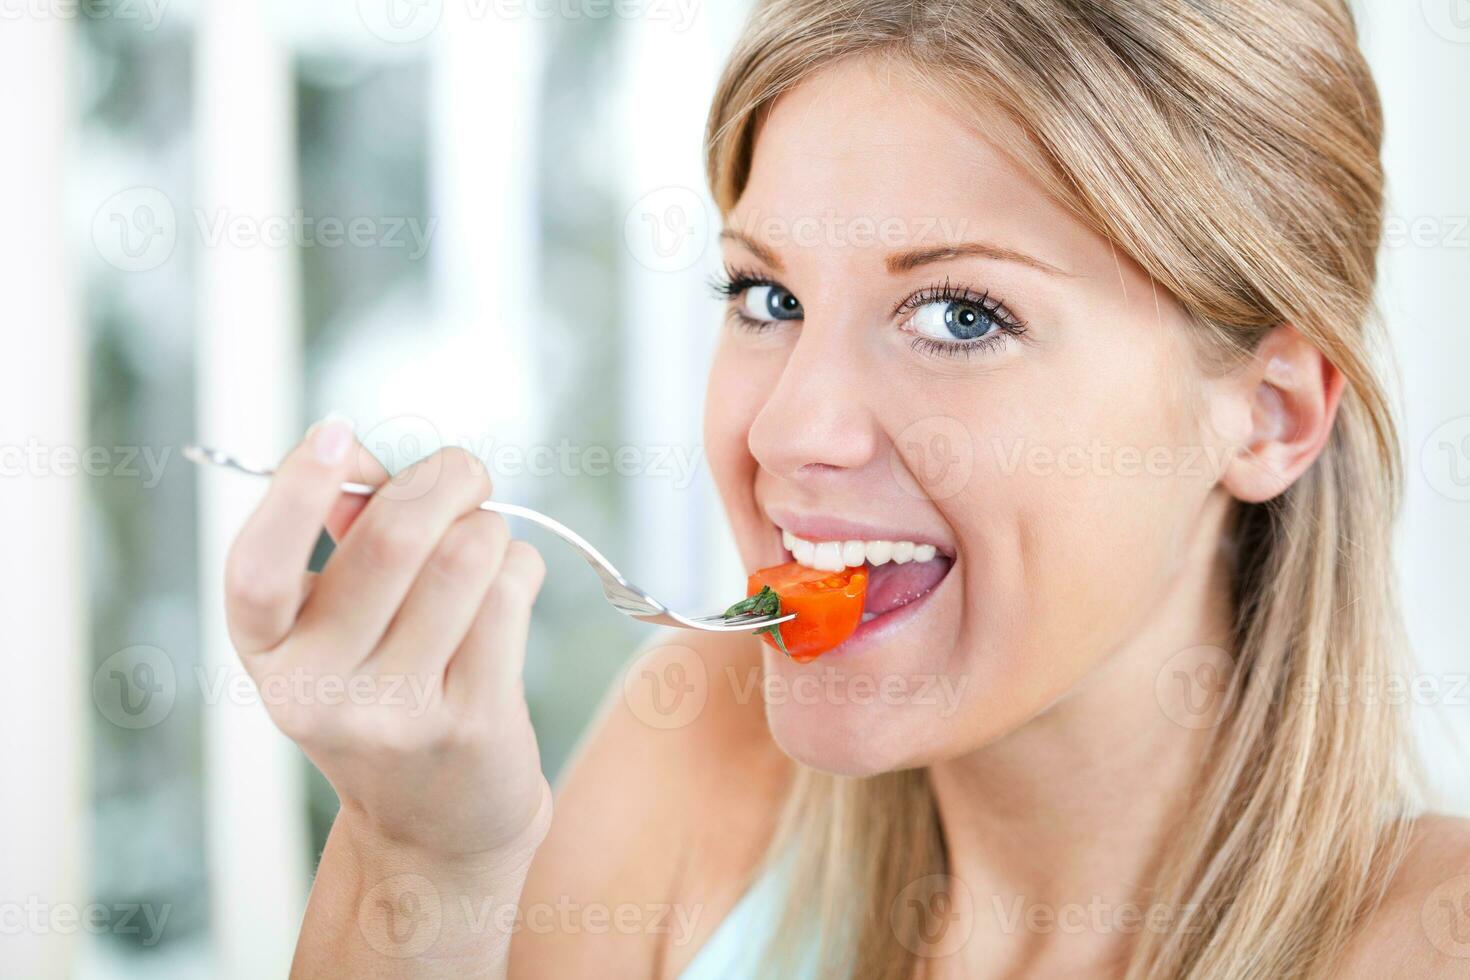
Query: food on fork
x=828, y=606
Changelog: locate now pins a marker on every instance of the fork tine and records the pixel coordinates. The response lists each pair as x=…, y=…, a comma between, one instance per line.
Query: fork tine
x=753, y=622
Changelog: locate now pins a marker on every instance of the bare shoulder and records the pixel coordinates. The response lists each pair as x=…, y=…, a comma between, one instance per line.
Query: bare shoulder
x=667, y=804
x=1422, y=927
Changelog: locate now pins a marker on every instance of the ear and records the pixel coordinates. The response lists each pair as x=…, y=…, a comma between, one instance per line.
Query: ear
x=1289, y=392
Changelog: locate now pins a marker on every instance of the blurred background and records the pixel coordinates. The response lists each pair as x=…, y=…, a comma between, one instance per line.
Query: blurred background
x=459, y=222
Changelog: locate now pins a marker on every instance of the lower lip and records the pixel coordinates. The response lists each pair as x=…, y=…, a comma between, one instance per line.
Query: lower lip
x=881, y=628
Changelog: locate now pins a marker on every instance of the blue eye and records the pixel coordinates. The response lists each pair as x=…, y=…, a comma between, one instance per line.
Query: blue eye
x=769, y=302
x=952, y=320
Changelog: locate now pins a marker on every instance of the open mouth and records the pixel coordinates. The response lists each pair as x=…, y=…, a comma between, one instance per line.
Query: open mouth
x=899, y=572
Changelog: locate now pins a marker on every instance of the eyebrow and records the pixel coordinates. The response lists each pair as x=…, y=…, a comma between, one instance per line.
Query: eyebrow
x=913, y=259
x=907, y=261
x=753, y=247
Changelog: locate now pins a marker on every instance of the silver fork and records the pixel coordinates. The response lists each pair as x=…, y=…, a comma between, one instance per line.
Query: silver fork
x=623, y=595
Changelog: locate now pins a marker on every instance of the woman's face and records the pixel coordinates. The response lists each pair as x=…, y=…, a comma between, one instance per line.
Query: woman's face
x=923, y=347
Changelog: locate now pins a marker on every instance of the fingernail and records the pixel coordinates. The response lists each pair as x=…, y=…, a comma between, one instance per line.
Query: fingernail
x=330, y=438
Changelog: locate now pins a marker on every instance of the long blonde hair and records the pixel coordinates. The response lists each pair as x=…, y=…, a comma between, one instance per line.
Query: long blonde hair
x=1231, y=149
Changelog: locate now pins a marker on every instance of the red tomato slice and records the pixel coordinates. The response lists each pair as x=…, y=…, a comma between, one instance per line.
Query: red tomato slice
x=828, y=606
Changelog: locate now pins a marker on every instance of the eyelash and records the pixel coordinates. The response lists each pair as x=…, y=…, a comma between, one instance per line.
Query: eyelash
x=1009, y=326
x=736, y=281
x=734, y=284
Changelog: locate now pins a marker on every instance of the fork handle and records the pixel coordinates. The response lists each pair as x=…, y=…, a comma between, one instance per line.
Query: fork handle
x=626, y=597
x=594, y=557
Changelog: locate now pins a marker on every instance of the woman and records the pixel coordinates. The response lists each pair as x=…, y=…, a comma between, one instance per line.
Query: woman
x=1074, y=296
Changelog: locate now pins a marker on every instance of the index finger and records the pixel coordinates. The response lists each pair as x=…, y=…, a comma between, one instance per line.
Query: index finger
x=265, y=569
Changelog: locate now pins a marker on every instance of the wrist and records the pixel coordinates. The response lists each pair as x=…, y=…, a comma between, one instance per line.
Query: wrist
x=419, y=904
x=381, y=853
x=379, y=847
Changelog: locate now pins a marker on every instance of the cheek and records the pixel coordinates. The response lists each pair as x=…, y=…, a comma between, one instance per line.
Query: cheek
x=1086, y=524
x=1075, y=512
x=733, y=398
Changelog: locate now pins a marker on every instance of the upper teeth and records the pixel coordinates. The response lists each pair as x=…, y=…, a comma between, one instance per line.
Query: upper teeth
x=834, y=556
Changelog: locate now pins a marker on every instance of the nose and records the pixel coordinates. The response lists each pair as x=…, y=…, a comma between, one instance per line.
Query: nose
x=815, y=423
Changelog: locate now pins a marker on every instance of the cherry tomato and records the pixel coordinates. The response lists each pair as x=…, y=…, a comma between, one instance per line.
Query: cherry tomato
x=828, y=606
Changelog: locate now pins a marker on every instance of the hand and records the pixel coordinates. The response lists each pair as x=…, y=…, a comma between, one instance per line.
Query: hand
x=403, y=658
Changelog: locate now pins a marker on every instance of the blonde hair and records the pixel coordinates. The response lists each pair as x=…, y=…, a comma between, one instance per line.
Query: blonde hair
x=1231, y=149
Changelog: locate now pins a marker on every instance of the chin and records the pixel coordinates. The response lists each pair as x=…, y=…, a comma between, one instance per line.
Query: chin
x=837, y=740
x=888, y=699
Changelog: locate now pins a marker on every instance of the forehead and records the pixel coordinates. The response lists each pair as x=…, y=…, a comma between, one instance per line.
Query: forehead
x=864, y=135
x=861, y=148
